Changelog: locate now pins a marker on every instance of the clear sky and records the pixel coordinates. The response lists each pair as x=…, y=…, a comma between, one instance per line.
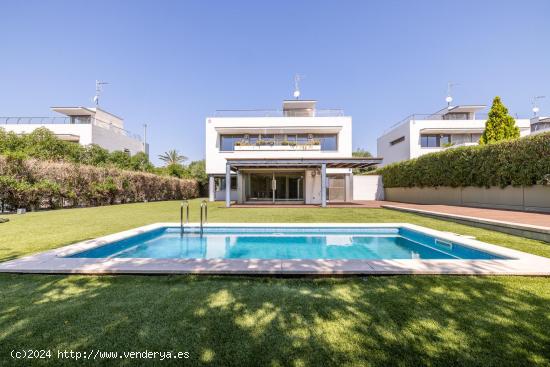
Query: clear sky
x=173, y=63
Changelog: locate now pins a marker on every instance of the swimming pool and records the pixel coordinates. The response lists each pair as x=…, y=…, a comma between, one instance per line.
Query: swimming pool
x=338, y=243
x=282, y=249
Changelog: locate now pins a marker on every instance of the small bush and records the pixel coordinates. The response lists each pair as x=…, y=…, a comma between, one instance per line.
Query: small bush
x=524, y=162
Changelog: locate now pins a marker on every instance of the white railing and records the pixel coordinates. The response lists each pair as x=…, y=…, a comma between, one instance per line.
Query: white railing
x=66, y=120
x=335, y=112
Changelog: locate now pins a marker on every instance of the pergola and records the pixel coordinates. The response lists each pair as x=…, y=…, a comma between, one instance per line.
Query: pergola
x=235, y=164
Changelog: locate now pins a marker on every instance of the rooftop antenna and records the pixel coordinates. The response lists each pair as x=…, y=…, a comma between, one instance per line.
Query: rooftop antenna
x=98, y=87
x=449, y=99
x=297, y=79
x=536, y=108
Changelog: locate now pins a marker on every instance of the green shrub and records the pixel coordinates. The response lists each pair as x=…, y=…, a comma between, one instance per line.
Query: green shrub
x=524, y=161
x=33, y=184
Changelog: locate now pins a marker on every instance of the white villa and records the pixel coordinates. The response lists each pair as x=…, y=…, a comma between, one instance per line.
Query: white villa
x=298, y=155
x=82, y=125
x=420, y=134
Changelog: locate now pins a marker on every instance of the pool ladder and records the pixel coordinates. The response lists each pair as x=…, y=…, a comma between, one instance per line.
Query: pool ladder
x=185, y=204
x=204, y=210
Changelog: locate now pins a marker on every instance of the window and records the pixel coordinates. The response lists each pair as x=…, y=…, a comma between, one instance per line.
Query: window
x=220, y=183
x=397, y=141
x=328, y=141
x=227, y=142
x=434, y=140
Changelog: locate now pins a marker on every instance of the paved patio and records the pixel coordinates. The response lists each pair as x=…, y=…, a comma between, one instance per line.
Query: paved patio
x=525, y=224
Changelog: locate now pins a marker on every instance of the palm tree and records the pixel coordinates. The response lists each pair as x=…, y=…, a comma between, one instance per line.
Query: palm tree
x=172, y=157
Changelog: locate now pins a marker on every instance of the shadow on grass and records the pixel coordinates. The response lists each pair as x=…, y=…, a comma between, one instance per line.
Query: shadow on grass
x=376, y=321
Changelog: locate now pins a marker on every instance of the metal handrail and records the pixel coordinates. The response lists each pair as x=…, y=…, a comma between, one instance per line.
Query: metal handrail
x=204, y=208
x=184, y=203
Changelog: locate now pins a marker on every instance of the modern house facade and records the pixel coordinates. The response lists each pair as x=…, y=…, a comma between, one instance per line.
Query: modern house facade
x=82, y=125
x=299, y=154
x=421, y=134
x=540, y=124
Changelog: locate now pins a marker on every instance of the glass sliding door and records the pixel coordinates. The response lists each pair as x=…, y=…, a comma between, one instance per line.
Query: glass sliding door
x=275, y=186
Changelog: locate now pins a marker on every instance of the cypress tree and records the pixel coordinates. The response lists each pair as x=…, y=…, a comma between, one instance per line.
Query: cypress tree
x=500, y=125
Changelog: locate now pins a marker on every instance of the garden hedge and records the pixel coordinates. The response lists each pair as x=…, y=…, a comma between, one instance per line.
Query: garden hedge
x=524, y=161
x=34, y=184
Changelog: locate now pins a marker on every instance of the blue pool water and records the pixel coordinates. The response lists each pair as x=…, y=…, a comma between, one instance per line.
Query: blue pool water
x=285, y=243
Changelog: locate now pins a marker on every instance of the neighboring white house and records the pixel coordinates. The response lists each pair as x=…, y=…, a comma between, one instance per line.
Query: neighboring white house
x=420, y=134
x=81, y=125
x=281, y=156
x=540, y=124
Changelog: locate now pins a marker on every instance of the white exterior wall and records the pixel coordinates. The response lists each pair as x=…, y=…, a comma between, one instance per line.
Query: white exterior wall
x=114, y=139
x=83, y=131
x=398, y=152
x=411, y=147
x=368, y=187
x=312, y=188
x=216, y=160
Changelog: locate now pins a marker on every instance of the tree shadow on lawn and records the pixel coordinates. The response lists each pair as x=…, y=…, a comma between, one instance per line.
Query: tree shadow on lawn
x=378, y=321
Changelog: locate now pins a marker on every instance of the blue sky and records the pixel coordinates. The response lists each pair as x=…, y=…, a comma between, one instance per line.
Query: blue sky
x=172, y=63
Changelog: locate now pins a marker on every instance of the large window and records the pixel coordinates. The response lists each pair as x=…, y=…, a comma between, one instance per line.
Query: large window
x=327, y=141
x=434, y=140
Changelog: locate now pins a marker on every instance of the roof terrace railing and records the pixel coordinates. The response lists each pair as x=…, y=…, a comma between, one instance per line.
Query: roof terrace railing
x=334, y=112
x=439, y=116
x=66, y=120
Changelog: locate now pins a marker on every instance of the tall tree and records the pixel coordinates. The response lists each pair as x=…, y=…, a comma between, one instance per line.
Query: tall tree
x=500, y=125
x=172, y=157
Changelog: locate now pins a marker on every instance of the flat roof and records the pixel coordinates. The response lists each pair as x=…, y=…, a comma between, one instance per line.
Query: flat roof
x=239, y=163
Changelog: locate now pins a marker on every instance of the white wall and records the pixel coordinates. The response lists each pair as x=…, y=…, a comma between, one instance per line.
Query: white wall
x=114, y=139
x=398, y=152
x=216, y=160
x=83, y=131
x=312, y=190
x=368, y=187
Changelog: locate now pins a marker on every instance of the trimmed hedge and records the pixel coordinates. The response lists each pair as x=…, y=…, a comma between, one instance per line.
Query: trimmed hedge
x=34, y=184
x=524, y=161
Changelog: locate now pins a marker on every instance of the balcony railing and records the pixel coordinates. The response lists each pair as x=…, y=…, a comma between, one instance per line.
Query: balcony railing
x=66, y=120
x=280, y=113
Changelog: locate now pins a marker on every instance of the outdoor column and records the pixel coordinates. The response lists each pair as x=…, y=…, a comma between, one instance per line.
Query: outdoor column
x=324, y=185
x=211, y=189
x=227, y=185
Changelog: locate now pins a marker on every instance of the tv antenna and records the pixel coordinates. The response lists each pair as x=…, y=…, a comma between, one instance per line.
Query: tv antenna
x=297, y=79
x=449, y=98
x=536, y=108
x=98, y=87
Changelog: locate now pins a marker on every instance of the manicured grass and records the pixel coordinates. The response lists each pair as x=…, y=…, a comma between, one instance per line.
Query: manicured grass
x=377, y=321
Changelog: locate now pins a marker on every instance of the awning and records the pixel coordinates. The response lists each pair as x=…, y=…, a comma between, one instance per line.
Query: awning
x=243, y=163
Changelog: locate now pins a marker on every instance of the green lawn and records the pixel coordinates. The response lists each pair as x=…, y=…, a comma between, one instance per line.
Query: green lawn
x=379, y=321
